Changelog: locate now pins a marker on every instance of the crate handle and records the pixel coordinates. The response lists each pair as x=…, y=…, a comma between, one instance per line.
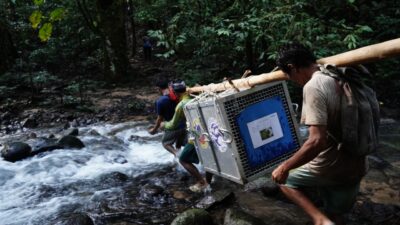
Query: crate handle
x=224, y=131
x=207, y=136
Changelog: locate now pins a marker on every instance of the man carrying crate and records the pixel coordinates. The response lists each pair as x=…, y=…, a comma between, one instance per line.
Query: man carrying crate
x=188, y=156
x=320, y=162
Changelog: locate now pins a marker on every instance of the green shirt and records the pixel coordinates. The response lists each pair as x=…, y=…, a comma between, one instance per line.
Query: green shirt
x=179, y=116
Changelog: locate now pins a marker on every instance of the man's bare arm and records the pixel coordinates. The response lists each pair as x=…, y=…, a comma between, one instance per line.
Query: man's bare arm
x=157, y=125
x=316, y=142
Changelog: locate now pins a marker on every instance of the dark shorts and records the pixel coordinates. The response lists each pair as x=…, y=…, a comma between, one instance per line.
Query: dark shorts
x=189, y=154
x=338, y=198
x=174, y=136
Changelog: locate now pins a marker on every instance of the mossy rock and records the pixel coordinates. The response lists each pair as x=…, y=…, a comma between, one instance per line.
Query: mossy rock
x=193, y=217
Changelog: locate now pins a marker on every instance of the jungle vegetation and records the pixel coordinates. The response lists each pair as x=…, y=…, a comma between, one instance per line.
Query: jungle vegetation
x=80, y=45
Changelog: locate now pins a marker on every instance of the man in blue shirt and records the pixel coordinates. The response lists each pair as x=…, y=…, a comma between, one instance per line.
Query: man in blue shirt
x=165, y=109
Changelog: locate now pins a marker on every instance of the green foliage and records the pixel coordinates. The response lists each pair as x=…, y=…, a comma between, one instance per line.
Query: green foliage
x=209, y=40
x=45, y=32
x=57, y=14
x=38, y=2
x=37, y=18
x=43, y=78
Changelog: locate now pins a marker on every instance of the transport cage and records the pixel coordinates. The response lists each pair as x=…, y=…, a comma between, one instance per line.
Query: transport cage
x=243, y=135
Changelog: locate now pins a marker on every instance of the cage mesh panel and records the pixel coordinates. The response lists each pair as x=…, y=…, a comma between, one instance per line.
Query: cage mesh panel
x=235, y=106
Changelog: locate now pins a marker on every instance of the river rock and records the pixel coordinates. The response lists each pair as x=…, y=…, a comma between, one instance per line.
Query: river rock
x=112, y=178
x=214, y=198
x=16, y=151
x=75, y=219
x=73, y=132
x=193, y=217
x=29, y=123
x=238, y=217
x=270, y=210
x=69, y=141
x=43, y=145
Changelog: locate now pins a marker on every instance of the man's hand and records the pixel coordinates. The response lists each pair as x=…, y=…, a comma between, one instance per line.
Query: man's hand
x=162, y=126
x=280, y=174
x=152, y=131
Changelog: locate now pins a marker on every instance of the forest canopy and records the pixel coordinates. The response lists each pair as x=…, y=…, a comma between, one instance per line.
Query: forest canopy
x=83, y=44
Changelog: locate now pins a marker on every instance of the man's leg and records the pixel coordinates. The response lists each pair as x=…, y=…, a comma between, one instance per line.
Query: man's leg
x=187, y=157
x=169, y=138
x=193, y=171
x=301, y=200
x=170, y=148
x=209, y=177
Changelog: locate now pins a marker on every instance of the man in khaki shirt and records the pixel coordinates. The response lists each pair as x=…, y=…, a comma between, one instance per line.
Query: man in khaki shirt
x=318, y=163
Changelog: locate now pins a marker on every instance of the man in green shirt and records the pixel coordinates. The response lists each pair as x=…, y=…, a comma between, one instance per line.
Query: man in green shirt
x=188, y=155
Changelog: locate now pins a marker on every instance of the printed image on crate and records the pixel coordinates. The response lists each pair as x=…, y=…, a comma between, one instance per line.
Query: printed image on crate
x=265, y=130
x=266, y=133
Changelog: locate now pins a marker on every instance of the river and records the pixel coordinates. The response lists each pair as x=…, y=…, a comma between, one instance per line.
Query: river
x=123, y=174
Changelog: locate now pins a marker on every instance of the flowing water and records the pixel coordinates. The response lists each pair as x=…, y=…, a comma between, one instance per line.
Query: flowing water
x=122, y=175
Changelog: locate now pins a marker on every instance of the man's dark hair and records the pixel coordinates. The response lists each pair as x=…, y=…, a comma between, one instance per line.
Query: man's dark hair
x=296, y=54
x=162, y=83
x=179, y=86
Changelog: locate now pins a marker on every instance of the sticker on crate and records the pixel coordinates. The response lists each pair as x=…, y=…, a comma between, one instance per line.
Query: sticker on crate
x=216, y=135
x=198, y=129
x=265, y=131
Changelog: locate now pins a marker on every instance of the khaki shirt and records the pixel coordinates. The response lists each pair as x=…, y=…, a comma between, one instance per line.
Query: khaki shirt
x=321, y=106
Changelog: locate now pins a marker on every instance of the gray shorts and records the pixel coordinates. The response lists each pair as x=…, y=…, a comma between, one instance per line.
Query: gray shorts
x=338, y=197
x=174, y=136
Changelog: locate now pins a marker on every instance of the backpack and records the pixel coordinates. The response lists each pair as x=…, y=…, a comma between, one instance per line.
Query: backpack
x=359, y=110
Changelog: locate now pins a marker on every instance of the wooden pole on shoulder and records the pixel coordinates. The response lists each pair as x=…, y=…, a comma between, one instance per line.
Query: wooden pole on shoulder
x=362, y=55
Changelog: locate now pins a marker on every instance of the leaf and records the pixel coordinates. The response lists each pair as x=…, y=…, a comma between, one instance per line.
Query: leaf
x=45, y=32
x=351, y=1
x=223, y=32
x=35, y=18
x=38, y=2
x=366, y=29
x=57, y=14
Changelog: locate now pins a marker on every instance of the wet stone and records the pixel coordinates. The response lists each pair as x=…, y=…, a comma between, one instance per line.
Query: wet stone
x=193, y=217
x=214, y=198
x=238, y=217
x=71, y=142
x=113, y=178
x=75, y=219
x=15, y=151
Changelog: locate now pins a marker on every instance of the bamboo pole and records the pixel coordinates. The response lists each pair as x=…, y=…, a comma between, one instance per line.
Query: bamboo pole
x=362, y=55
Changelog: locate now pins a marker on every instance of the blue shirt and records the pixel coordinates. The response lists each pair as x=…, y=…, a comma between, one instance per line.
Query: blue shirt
x=165, y=107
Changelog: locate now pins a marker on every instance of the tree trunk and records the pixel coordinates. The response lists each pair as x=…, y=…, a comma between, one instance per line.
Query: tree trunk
x=8, y=52
x=112, y=17
x=132, y=30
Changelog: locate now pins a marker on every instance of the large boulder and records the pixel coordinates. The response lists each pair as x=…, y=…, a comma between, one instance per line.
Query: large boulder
x=15, y=151
x=69, y=141
x=193, y=217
